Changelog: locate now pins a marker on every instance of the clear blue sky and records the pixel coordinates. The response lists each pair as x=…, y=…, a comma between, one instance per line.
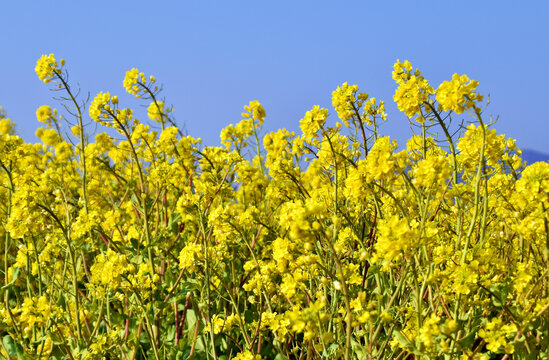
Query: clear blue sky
x=214, y=57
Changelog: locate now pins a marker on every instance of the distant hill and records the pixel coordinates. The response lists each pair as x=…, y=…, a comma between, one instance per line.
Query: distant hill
x=532, y=156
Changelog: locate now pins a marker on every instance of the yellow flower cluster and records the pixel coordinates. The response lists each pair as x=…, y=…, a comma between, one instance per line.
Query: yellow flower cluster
x=35, y=312
x=44, y=114
x=458, y=94
x=350, y=104
x=496, y=336
x=100, y=108
x=237, y=135
x=343, y=99
x=47, y=68
x=156, y=111
x=104, y=109
x=109, y=270
x=431, y=173
x=48, y=136
x=312, y=122
x=413, y=89
x=247, y=355
x=255, y=111
x=397, y=237
x=6, y=126
x=132, y=80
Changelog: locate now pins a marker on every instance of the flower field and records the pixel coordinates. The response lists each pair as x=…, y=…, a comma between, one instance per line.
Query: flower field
x=126, y=239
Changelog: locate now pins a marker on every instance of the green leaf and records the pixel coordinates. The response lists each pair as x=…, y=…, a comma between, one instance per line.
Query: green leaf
x=134, y=243
x=500, y=292
x=468, y=340
x=170, y=334
x=183, y=354
x=12, y=348
x=521, y=353
x=402, y=340
x=180, y=294
x=357, y=349
x=40, y=339
x=173, y=222
x=9, y=344
x=191, y=320
x=16, y=272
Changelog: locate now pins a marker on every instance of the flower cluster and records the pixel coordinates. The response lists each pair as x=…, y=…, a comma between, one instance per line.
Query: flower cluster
x=44, y=114
x=104, y=109
x=47, y=68
x=133, y=80
x=313, y=121
x=458, y=94
x=413, y=89
x=157, y=111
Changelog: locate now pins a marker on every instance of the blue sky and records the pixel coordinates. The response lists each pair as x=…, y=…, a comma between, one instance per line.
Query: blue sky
x=213, y=57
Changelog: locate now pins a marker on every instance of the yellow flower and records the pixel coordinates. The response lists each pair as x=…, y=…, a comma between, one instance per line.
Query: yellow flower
x=413, y=89
x=48, y=136
x=157, y=111
x=6, y=126
x=35, y=312
x=44, y=114
x=109, y=269
x=458, y=94
x=312, y=122
x=133, y=80
x=429, y=330
x=99, y=107
x=255, y=111
x=247, y=355
x=343, y=100
x=46, y=68
x=396, y=237
x=189, y=256
x=496, y=336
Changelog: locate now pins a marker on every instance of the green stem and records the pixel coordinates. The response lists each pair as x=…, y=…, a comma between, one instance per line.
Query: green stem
x=208, y=294
x=70, y=250
x=82, y=139
x=258, y=150
x=455, y=171
x=336, y=257
x=8, y=213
